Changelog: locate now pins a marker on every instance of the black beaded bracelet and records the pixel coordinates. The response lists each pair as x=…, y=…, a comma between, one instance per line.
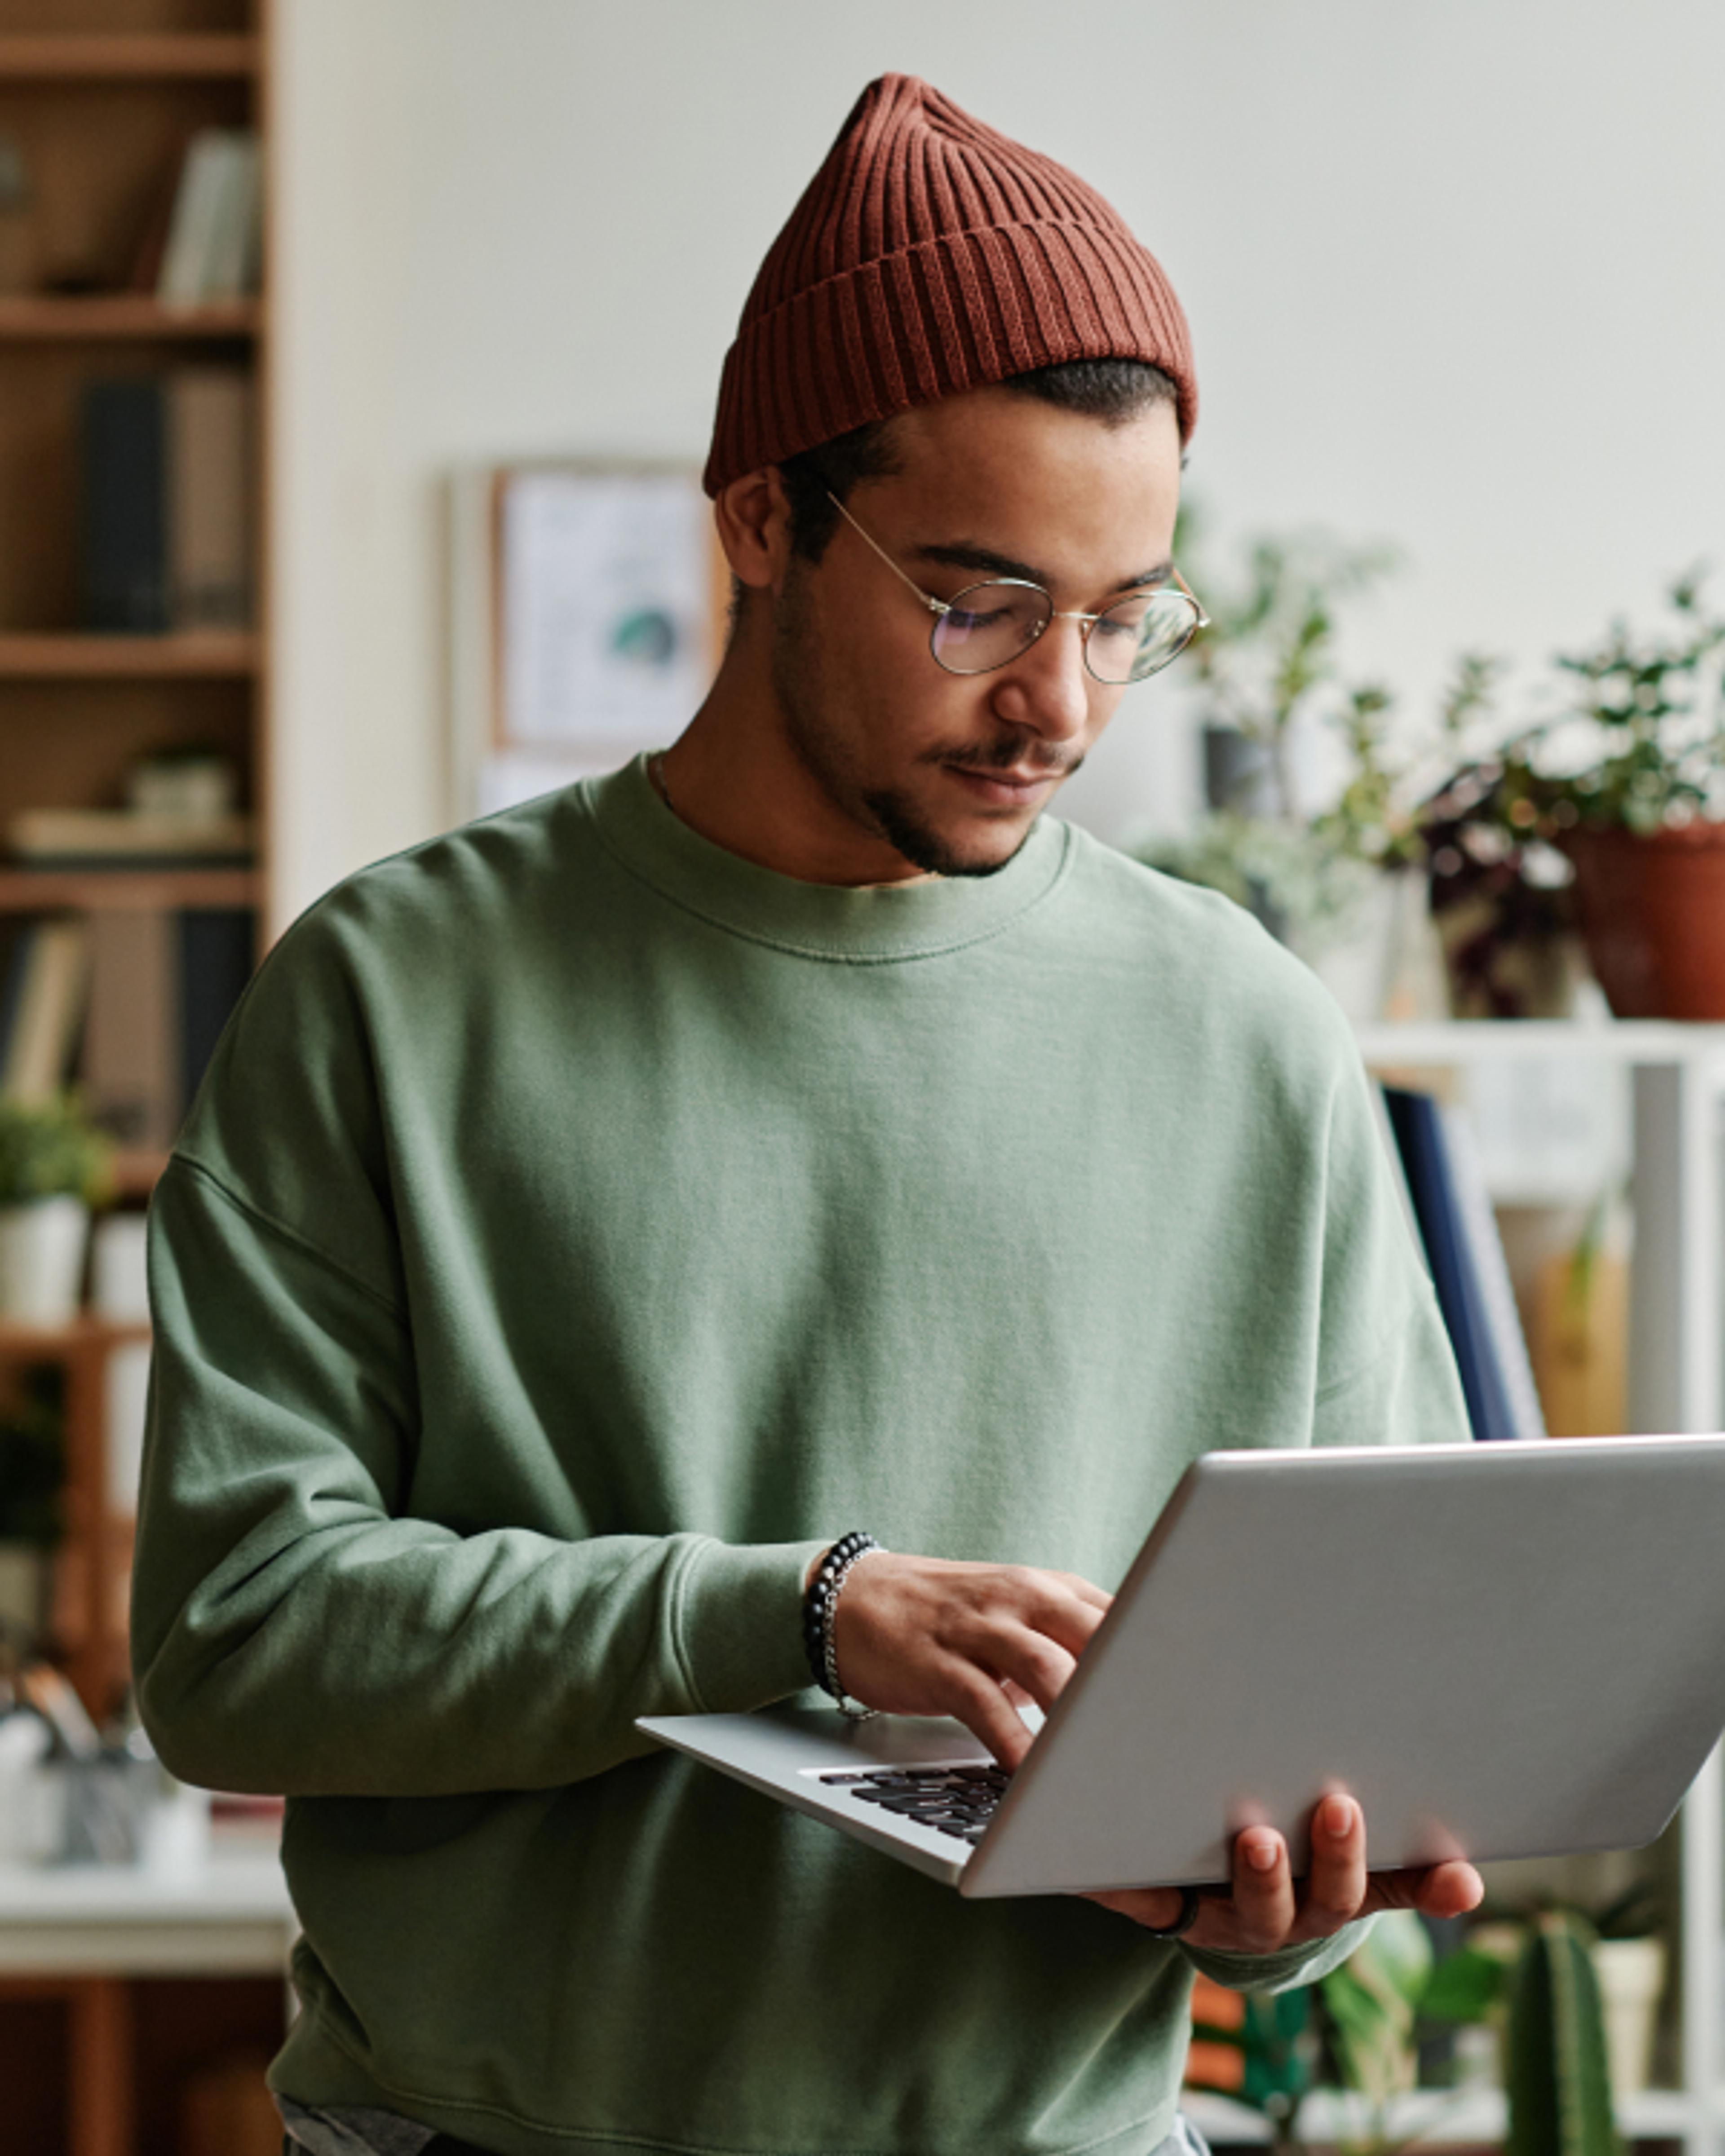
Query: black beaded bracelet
x=821, y=1604
x=1190, y=1905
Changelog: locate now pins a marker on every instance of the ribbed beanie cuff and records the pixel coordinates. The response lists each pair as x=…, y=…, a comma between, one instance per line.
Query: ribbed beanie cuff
x=931, y=255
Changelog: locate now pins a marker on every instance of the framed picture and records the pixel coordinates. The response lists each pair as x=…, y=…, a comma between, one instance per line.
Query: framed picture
x=589, y=608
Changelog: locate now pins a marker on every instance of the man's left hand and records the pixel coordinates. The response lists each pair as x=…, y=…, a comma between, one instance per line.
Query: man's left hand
x=1263, y=1912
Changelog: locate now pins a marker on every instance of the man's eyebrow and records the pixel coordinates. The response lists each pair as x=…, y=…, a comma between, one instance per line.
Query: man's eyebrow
x=983, y=559
x=988, y=563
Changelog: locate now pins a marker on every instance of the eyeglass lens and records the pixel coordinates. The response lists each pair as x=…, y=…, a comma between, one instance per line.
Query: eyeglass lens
x=989, y=624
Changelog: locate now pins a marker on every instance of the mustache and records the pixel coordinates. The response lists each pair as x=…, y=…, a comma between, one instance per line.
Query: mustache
x=1021, y=751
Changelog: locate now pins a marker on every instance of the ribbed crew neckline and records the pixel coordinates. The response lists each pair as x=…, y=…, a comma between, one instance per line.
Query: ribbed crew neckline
x=872, y=925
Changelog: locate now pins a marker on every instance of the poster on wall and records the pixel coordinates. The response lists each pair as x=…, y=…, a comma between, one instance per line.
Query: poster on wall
x=599, y=622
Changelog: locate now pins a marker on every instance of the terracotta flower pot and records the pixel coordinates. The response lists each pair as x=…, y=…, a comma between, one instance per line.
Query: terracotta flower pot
x=1653, y=914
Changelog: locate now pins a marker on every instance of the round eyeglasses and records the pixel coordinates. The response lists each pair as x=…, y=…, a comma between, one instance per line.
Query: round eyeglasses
x=990, y=624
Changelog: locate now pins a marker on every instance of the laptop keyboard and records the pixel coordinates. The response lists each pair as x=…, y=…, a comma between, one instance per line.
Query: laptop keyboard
x=956, y=1800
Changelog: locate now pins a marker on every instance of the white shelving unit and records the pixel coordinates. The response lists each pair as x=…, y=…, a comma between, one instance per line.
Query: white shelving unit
x=1677, y=1294
x=1677, y=1386
x=1444, y=2117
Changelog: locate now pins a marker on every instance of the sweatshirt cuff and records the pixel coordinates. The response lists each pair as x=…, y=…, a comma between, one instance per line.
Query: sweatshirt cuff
x=739, y=1623
x=1280, y=1972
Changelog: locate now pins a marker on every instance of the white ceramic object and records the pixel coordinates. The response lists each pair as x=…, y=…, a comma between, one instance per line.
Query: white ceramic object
x=29, y=1826
x=1631, y=1974
x=119, y=1278
x=174, y=1838
x=42, y=1260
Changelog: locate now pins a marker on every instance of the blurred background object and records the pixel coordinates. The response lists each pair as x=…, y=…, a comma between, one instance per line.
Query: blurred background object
x=17, y=256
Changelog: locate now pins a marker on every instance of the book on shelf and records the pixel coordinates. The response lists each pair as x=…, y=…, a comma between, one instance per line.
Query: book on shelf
x=123, y=558
x=42, y=1008
x=167, y=472
x=129, y=1071
x=212, y=249
x=213, y=952
x=128, y=1006
x=1464, y=1252
x=127, y=838
x=209, y=507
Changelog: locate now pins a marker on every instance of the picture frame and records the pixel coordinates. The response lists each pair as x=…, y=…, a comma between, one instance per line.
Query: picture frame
x=589, y=602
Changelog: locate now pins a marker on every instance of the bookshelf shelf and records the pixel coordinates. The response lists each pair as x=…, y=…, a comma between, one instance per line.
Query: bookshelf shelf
x=160, y=56
x=66, y=1343
x=1676, y=1383
x=128, y=891
x=137, y=1170
x=70, y=655
x=106, y=318
x=1439, y=2117
x=1471, y=1040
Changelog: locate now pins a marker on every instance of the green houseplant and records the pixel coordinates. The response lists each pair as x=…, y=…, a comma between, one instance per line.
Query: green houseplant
x=1556, y=2064
x=1309, y=827
x=54, y=1165
x=1267, y=677
x=1624, y=781
x=1359, y=2029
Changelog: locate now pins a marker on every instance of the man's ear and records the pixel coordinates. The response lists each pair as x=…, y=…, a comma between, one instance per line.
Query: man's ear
x=753, y=517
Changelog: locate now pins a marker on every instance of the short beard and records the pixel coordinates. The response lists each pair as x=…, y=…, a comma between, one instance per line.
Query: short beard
x=903, y=829
x=889, y=813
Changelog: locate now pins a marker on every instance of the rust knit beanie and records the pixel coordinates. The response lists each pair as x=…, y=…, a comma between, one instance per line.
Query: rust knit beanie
x=930, y=255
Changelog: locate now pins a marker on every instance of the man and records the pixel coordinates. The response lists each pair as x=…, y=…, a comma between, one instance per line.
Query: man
x=593, y=1215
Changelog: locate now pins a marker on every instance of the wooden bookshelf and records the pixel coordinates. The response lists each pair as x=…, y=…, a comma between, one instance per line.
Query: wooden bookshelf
x=85, y=1336
x=128, y=891
x=72, y=655
x=114, y=317
x=94, y=1558
x=138, y=1170
x=150, y=56
x=102, y=97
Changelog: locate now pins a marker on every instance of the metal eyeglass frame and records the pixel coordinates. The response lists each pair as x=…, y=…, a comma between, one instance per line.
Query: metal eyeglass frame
x=941, y=607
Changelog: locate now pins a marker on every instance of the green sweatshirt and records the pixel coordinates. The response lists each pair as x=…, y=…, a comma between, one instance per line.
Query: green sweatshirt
x=578, y=1227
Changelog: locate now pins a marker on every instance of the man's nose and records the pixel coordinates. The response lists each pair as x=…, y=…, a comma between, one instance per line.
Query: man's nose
x=1046, y=687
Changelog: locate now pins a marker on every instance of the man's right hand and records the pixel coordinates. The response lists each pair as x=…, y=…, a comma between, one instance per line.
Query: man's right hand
x=919, y=1635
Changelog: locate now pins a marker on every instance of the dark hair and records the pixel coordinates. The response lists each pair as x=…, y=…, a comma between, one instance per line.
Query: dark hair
x=1112, y=391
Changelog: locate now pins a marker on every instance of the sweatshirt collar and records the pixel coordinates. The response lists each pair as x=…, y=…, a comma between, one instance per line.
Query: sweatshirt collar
x=874, y=924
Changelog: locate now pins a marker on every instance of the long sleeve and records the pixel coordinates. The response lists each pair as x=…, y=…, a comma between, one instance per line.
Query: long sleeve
x=1281, y=1972
x=332, y=1594
x=294, y=1632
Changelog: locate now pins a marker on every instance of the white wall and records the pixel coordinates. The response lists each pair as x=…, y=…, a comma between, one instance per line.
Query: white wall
x=1454, y=275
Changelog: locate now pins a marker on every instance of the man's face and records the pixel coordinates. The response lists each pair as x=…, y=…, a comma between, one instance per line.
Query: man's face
x=952, y=770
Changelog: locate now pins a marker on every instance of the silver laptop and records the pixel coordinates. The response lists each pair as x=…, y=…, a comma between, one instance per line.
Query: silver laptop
x=1507, y=1650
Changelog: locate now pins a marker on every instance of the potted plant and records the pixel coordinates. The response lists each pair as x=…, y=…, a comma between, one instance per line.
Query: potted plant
x=1359, y=2030
x=54, y=1165
x=1644, y=821
x=1308, y=825
x=1624, y=781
